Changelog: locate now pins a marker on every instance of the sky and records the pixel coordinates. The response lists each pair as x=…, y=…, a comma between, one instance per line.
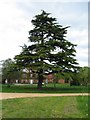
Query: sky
x=15, y=22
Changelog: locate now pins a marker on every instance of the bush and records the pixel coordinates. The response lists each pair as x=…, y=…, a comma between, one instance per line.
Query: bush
x=76, y=83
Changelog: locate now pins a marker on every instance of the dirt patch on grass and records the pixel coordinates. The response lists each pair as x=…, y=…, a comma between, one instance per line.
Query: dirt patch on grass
x=23, y=95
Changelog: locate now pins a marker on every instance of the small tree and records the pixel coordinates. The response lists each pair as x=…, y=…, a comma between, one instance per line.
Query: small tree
x=83, y=75
x=48, y=51
x=10, y=71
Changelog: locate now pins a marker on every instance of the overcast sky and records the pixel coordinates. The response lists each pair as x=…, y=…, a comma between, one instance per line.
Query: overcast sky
x=15, y=22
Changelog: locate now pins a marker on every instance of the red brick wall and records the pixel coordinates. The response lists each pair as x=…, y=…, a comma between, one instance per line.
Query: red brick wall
x=61, y=81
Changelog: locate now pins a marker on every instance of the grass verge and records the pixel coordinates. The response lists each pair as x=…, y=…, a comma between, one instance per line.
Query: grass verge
x=60, y=88
x=46, y=107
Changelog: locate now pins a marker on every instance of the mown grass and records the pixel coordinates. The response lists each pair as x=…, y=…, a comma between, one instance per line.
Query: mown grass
x=60, y=88
x=46, y=107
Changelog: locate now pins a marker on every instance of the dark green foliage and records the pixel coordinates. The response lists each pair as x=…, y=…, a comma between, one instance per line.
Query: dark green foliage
x=83, y=75
x=49, y=51
x=76, y=83
x=10, y=71
x=60, y=88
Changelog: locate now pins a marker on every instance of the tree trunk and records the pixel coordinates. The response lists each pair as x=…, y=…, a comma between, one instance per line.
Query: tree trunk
x=40, y=80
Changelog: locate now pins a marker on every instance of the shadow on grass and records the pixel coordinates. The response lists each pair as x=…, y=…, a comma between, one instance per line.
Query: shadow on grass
x=61, y=90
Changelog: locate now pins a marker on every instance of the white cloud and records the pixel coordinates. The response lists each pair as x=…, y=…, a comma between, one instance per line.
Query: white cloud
x=83, y=63
x=80, y=38
x=14, y=29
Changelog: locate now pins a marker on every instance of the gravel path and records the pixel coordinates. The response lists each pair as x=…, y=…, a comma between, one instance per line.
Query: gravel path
x=22, y=95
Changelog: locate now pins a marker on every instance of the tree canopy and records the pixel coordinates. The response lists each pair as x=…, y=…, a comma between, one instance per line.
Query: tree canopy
x=49, y=51
x=10, y=71
x=83, y=75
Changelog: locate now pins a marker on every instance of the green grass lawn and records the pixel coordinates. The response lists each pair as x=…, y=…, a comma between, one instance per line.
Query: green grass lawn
x=60, y=88
x=46, y=107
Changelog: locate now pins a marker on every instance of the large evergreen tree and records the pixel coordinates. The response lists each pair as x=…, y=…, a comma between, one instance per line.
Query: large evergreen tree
x=49, y=50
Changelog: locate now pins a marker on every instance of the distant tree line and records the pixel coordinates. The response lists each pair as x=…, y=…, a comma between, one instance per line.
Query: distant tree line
x=11, y=72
